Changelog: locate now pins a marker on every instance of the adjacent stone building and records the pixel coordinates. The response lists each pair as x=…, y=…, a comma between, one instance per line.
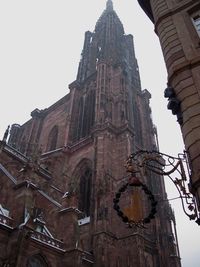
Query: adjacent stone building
x=177, y=24
x=60, y=170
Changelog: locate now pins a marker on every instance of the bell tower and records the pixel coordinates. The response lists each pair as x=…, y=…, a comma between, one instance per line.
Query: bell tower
x=110, y=107
x=108, y=80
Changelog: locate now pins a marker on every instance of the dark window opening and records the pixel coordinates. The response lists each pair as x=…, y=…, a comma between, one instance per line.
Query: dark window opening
x=86, y=116
x=52, y=139
x=36, y=261
x=137, y=125
x=85, y=192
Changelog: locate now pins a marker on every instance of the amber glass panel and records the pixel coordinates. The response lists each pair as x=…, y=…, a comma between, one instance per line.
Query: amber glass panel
x=133, y=205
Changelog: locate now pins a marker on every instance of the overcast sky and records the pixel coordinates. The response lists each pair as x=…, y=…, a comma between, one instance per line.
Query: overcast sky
x=40, y=47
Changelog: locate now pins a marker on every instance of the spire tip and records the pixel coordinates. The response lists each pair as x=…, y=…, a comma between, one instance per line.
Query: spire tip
x=109, y=5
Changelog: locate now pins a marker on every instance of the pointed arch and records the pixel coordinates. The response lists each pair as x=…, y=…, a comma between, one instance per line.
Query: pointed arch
x=82, y=183
x=137, y=124
x=80, y=119
x=37, y=261
x=85, y=116
x=89, y=112
x=52, y=138
x=85, y=192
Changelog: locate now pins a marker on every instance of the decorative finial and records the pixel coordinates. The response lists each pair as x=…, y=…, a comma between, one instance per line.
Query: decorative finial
x=109, y=5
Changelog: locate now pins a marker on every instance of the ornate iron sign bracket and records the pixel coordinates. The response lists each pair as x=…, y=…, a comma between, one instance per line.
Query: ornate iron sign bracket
x=175, y=168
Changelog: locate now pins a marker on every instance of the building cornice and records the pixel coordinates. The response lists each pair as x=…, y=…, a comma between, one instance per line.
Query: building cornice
x=146, y=6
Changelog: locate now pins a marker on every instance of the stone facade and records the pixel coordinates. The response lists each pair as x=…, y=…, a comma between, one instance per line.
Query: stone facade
x=61, y=169
x=177, y=24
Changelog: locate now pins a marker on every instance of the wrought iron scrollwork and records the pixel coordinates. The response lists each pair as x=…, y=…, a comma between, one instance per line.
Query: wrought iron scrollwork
x=175, y=168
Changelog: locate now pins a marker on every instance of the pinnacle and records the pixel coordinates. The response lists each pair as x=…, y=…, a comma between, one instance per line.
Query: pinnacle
x=109, y=5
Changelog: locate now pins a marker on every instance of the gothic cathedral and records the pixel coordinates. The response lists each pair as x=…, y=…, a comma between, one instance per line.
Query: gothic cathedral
x=61, y=169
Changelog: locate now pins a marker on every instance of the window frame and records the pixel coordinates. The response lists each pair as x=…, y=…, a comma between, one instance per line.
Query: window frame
x=52, y=140
x=195, y=17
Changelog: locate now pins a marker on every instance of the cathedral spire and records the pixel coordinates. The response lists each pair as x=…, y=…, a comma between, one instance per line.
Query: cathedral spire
x=109, y=5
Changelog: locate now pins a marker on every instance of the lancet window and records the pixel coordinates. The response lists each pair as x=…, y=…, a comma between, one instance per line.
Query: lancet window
x=85, y=192
x=52, y=138
x=137, y=125
x=86, y=115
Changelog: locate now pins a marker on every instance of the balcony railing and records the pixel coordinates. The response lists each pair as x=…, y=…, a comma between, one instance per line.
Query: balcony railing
x=47, y=240
x=4, y=220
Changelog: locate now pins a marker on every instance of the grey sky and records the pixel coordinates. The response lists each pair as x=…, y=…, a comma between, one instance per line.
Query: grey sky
x=41, y=43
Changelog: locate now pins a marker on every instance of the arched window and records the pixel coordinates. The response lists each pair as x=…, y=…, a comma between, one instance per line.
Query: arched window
x=52, y=138
x=79, y=127
x=89, y=112
x=85, y=192
x=137, y=125
x=36, y=261
x=85, y=115
x=81, y=184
